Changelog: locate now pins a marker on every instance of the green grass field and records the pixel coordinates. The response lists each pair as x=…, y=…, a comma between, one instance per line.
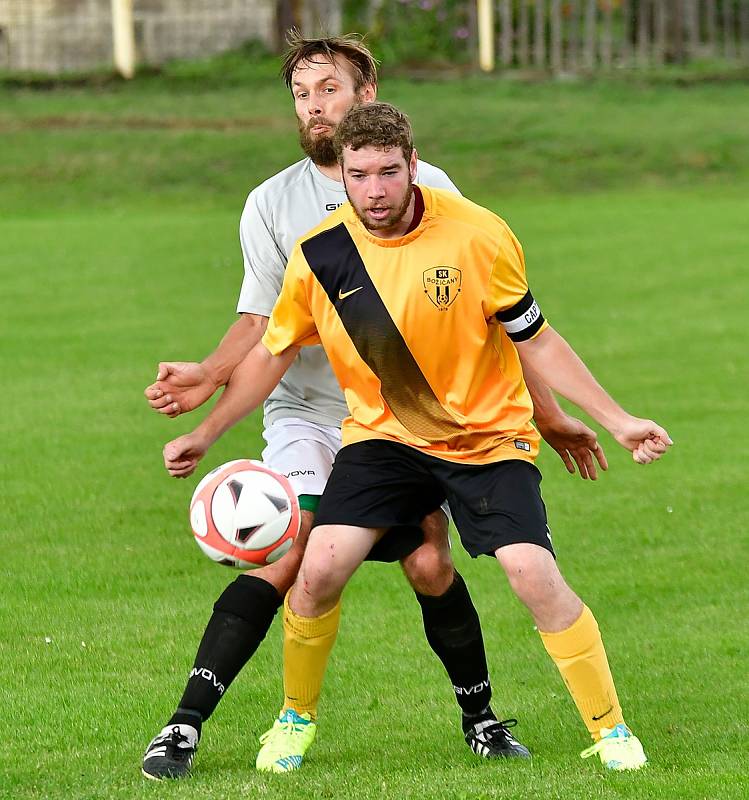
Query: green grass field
x=118, y=216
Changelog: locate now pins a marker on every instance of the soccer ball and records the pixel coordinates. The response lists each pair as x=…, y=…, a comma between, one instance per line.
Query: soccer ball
x=244, y=515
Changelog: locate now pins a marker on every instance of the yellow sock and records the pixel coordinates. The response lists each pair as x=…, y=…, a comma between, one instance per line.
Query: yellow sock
x=306, y=647
x=581, y=659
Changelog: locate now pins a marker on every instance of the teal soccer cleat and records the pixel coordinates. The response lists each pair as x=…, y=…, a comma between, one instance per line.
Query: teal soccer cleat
x=284, y=745
x=618, y=748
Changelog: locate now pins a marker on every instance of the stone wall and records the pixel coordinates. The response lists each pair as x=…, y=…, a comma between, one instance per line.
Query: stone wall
x=55, y=36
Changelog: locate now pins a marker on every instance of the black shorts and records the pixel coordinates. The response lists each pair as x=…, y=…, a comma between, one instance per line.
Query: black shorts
x=396, y=544
x=383, y=484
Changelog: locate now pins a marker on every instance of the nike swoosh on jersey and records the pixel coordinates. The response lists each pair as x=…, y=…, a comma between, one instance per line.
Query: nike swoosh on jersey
x=344, y=295
x=334, y=258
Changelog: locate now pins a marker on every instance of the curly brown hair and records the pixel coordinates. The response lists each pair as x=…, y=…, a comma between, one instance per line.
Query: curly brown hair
x=351, y=47
x=375, y=125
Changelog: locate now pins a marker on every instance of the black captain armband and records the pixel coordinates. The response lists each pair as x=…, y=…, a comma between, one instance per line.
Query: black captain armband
x=523, y=320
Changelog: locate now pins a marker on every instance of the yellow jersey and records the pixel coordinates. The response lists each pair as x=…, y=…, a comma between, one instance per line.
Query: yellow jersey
x=419, y=329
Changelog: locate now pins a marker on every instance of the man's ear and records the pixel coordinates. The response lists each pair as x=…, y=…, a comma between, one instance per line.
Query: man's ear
x=368, y=93
x=413, y=164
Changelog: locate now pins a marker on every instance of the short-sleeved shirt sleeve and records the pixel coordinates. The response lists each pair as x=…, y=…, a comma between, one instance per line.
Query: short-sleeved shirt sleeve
x=509, y=298
x=264, y=261
x=436, y=178
x=291, y=321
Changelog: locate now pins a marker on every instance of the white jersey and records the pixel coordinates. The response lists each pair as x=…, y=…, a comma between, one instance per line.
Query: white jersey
x=276, y=214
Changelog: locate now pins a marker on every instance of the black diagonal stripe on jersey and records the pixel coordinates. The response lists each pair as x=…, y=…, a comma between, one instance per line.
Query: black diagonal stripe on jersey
x=336, y=263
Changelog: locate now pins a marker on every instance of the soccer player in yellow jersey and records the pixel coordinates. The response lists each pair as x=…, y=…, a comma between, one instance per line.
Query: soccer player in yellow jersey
x=302, y=419
x=421, y=302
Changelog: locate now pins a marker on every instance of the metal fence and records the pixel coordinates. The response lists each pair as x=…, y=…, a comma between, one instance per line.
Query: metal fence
x=590, y=35
x=560, y=36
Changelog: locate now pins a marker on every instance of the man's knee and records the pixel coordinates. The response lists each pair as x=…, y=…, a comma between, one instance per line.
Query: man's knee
x=318, y=580
x=333, y=554
x=429, y=571
x=535, y=578
x=528, y=567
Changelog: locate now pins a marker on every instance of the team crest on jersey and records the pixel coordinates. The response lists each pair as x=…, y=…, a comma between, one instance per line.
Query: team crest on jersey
x=442, y=285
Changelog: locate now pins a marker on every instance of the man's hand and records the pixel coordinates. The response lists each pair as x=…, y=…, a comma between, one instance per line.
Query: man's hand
x=180, y=386
x=181, y=455
x=645, y=439
x=251, y=383
x=576, y=443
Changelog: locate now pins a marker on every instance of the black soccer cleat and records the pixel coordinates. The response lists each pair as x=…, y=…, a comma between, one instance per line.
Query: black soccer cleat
x=490, y=738
x=171, y=753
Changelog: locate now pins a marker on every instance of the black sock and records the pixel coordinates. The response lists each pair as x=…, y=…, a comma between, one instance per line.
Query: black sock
x=485, y=715
x=453, y=630
x=241, y=618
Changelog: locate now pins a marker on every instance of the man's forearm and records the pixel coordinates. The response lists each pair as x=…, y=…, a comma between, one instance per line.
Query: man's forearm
x=252, y=381
x=545, y=405
x=241, y=337
x=557, y=365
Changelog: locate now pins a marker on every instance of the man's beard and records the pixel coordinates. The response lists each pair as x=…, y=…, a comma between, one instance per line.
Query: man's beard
x=318, y=148
x=392, y=219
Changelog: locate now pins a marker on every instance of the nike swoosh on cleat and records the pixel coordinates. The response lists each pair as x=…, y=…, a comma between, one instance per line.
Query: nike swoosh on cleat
x=596, y=719
x=344, y=295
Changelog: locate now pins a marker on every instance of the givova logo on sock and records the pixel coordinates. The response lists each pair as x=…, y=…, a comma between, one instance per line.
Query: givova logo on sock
x=469, y=690
x=206, y=674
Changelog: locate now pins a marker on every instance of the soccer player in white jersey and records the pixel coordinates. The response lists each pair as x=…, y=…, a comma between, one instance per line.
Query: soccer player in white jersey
x=302, y=421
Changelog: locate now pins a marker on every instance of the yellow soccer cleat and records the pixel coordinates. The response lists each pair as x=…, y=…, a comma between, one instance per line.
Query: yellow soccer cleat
x=284, y=745
x=618, y=749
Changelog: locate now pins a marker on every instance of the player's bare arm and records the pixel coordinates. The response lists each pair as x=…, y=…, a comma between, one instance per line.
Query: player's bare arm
x=182, y=386
x=251, y=383
x=574, y=441
x=549, y=355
